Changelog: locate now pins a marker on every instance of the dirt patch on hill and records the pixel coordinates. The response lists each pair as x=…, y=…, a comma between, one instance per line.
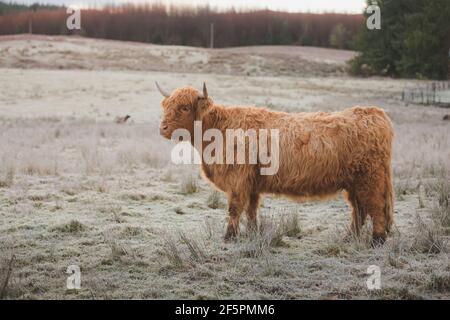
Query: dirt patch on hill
x=62, y=52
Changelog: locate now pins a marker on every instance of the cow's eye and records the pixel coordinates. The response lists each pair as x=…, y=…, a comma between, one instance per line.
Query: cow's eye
x=184, y=108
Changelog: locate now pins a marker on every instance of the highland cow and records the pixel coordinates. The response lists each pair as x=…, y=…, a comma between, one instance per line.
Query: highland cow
x=321, y=154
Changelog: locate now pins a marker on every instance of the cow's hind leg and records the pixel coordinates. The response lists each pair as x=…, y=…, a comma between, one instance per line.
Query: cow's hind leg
x=371, y=194
x=236, y=204
x=358, y=213
x=252, y=212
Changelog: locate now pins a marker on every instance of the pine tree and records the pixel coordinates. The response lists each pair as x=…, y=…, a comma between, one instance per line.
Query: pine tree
x=413, y=40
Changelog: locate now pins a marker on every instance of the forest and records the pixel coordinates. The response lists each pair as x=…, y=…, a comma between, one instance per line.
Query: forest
x=187, y=25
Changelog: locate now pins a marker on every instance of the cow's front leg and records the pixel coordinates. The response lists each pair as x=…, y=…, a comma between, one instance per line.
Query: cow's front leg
x=252, y=212
x=236, y=203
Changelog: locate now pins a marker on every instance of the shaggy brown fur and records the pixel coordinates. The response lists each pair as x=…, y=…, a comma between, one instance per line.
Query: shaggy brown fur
x=320, y=155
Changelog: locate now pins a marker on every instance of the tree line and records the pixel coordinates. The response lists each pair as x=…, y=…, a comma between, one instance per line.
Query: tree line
x=187, y=25
x=10, y=7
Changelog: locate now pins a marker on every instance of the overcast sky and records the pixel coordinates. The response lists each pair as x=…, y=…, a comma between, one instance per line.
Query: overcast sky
x=350, y=6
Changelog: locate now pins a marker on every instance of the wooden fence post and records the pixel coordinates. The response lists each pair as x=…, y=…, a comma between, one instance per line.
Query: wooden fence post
x=211, y=35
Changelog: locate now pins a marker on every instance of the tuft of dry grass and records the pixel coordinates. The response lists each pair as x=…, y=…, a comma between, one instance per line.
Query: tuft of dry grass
x=290, y=225
x=269, y=235
x=208, y=228
x=6, y=270
x=189, y=184
x=171, y=252
x=428, y=237
x=115, y=211
x=402, y=188
x=196, y=250
x=7, y=179
x=184, y=251
x=441, y=212
x=214, y=200
x=397, y=248
x=430, y=234
x=342, y=242
x=131, y=231
x=439, y=282
x=134, y=196
x=73, y=226
x=118, y=249
x=395, y=293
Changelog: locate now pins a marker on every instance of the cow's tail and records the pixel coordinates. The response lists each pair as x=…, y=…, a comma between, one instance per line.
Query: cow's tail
x=389, y=196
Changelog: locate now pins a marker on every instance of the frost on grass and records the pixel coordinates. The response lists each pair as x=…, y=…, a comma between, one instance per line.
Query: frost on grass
x=10, y=286
x=189, y=184
x=215, y=200
x=7, y=175
x=184, y=251
x=270, y=234
x=73, y=226
x=77, y=188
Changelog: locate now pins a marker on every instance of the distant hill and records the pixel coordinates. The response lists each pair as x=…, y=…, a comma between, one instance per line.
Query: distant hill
x=72, y=52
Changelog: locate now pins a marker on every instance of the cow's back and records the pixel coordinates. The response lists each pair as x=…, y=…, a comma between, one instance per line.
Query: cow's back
x=320, y=152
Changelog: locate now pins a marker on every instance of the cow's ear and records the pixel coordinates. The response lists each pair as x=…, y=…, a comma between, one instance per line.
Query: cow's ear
x=204, y=102
x=203, y=105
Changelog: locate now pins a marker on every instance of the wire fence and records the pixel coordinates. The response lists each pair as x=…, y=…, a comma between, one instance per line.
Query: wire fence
x=433, y=93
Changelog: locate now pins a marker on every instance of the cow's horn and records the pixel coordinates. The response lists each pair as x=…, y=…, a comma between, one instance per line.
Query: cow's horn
x=205, y=92
x=165, y=94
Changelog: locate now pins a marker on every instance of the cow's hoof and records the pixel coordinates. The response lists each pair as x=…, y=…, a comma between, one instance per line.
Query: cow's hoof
x=378, y=241
x=229, y=238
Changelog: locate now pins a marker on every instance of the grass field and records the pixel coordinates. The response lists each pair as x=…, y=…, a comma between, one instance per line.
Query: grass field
x=77, y=188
